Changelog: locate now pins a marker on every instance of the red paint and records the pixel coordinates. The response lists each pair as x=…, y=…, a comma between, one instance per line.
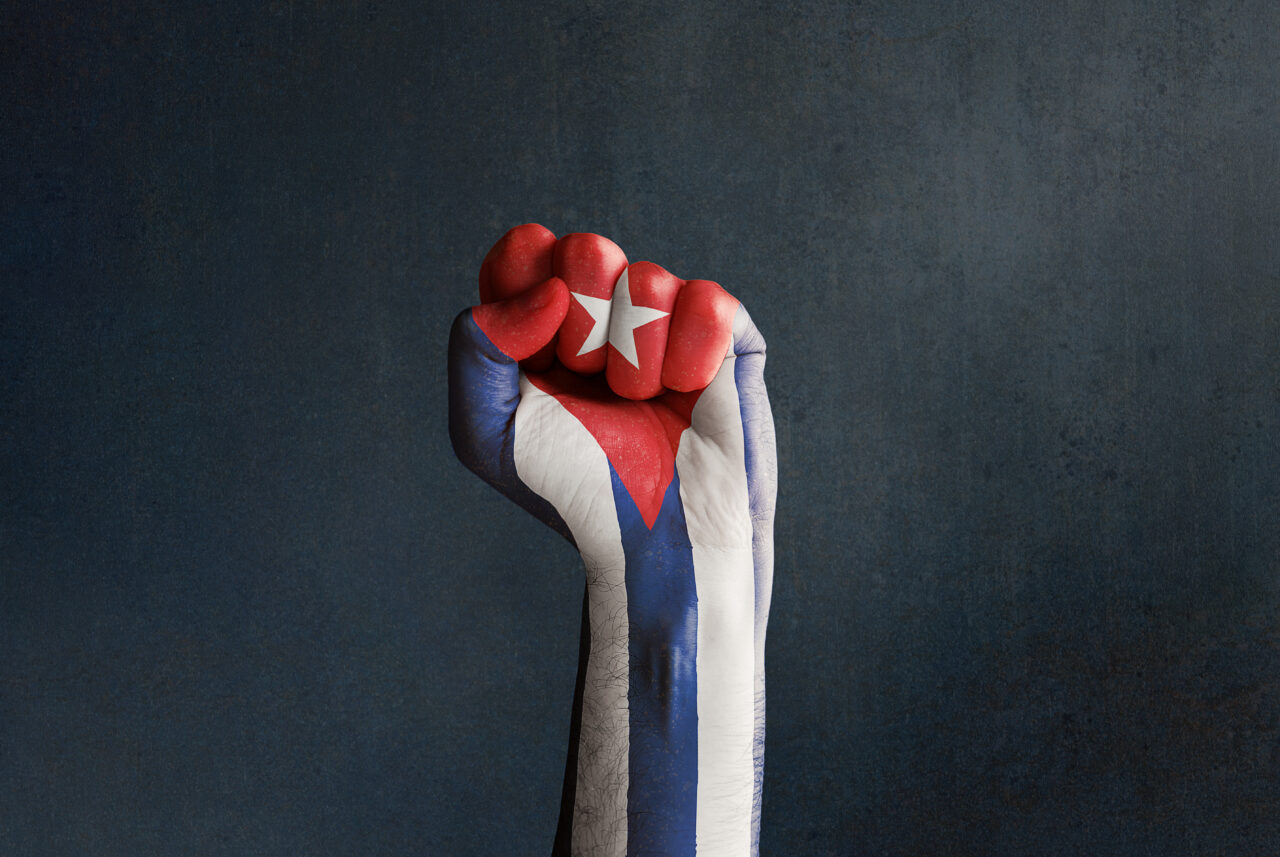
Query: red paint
x=650, y=286
x=518, y=261
x=590, y=265
x=640, y=439
x=636, y=414
x=524, y=325
x=699, y=337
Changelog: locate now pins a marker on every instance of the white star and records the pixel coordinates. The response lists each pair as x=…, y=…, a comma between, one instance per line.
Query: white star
x=599, y=311
x=626, y=317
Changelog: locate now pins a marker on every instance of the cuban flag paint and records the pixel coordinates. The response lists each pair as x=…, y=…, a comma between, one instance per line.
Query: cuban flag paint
x=626, y=409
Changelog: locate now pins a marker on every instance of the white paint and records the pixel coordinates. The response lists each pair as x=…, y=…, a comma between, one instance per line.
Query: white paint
x=598, y=309
x=713, y=489
x=560, y=461
x=626, y=317
x=757, y=418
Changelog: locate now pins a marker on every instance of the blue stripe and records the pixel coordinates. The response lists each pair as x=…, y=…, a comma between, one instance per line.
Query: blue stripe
x=662, y=612
x=484, y=390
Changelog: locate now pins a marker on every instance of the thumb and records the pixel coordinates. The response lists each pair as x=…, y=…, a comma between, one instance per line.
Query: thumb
x=520, y=326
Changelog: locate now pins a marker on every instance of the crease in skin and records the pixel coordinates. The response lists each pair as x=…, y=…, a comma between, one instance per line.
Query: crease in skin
x=654, y=482
x=760, y=461
x=714, y=441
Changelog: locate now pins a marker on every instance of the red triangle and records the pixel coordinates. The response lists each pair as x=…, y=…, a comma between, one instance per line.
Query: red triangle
x=640, y=439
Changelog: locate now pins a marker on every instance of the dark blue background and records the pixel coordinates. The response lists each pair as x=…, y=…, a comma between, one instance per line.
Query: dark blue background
x=1018, y=268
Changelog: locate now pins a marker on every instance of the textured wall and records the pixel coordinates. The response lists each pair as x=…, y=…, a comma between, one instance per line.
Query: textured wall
x=1018, y=268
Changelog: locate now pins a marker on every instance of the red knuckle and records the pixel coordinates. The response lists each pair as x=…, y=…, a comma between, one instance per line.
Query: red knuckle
x=641, y=316
x=576, y=300
x=522, y=327
x=519, y=261
x=590, y=266
x=700, y=336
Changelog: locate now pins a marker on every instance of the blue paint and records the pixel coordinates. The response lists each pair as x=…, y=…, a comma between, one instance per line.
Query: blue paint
x=662, y=611
x=762, y=479
x=482, y=426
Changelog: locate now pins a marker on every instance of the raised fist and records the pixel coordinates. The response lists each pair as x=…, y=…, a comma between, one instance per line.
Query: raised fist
x=626, y=408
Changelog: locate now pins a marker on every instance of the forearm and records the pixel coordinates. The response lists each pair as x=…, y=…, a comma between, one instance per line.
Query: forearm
x=593, y=815
x=667, y=723
x=682, y=605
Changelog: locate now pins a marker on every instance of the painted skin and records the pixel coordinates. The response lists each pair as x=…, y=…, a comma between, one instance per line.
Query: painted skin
x=626, y=408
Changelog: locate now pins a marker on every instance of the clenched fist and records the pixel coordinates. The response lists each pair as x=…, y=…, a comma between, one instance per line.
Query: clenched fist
x=626, y=408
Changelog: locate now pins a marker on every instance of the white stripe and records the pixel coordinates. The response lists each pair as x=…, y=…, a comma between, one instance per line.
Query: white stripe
x=560, y=461
x=713, y=489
